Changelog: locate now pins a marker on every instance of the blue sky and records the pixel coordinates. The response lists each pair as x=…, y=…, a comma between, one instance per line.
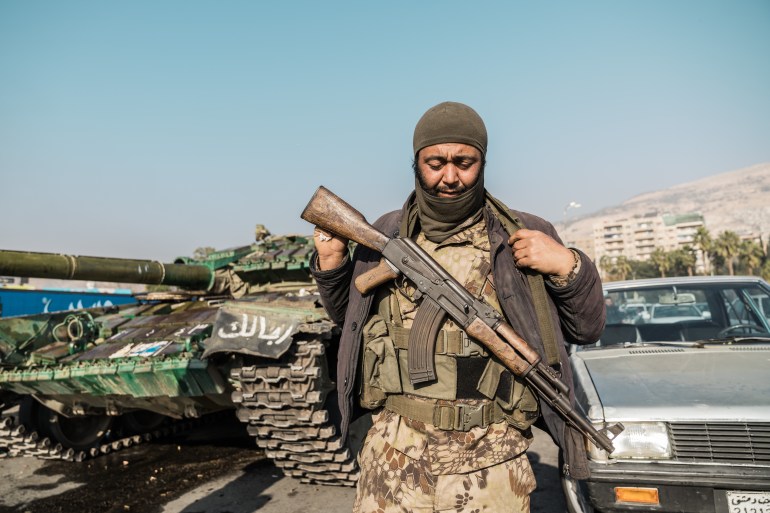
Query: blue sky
x=150, y=128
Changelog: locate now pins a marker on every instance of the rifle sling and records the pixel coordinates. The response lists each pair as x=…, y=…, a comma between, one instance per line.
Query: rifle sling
x=536, y=284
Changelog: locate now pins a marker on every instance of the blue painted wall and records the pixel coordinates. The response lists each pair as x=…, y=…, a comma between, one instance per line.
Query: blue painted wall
x=19, y=301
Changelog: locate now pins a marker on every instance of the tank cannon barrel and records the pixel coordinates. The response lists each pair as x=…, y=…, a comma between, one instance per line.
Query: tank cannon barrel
x=121, y=270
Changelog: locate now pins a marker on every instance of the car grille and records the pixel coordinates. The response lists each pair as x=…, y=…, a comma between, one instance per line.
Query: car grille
x=721, y=443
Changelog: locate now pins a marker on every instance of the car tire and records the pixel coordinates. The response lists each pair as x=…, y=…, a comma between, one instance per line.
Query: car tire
x=575, y=496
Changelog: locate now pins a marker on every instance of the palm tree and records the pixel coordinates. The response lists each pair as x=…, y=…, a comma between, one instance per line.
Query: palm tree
x=702, y=240
x=727, y=245
x=750, y=254
x=766, y=270
x=660, y=259
x=622, y=267
x=606, y=265
x=682, y=261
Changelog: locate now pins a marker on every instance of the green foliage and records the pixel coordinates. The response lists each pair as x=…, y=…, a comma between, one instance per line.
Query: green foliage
x=641, y=269
x=623, y=268
x=725, y=254
x=750, y=256
x=766, y=270
x=681, y=262
x=727, y=245
x=661, y=261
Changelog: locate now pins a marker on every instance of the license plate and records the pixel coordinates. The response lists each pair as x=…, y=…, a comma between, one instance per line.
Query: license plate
x=748, y=502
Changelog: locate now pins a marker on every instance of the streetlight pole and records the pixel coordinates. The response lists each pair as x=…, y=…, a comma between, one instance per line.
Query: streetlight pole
x=571, y=204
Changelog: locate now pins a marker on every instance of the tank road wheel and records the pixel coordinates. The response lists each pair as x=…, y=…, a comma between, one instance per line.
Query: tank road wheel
x=141, y=421
x=77, y=433
x=284, y=404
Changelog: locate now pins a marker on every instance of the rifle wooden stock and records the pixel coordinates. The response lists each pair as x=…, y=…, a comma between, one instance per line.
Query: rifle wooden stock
x=332, y=213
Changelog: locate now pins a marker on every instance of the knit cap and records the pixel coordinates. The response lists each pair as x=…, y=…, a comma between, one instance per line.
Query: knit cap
x=450, y=122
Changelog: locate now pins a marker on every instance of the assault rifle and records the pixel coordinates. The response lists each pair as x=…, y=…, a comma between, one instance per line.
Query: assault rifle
x=439, y=290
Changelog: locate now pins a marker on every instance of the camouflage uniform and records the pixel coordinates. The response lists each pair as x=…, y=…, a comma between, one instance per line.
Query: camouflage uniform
x=411, y=465
x=407, y=466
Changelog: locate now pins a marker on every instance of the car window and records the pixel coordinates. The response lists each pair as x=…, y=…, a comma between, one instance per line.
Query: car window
x=762, y=301
x=746, y=306
x=668, y=311
x=695, y=311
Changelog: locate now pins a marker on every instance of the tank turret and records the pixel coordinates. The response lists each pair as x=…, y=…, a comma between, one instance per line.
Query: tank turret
x=272, y=262
x=121, y=270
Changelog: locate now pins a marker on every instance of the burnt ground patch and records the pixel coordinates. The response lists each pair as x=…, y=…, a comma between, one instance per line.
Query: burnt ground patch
x=145, y=477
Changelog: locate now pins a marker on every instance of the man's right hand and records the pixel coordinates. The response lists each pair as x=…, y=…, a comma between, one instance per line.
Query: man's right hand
x=331, y=248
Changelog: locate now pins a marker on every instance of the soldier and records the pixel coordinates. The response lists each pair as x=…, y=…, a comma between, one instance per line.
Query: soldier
x=457, y=442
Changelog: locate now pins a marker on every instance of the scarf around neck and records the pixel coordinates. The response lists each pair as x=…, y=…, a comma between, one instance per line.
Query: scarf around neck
x=440, y=218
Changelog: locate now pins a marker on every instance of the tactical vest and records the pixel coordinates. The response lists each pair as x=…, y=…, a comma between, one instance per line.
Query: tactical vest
x=471, y=388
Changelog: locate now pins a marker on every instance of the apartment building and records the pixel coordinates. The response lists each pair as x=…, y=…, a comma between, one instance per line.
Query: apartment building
x=637, y=237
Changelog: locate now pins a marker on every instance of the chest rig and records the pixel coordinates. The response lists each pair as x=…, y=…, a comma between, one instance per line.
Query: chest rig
x=470, y=388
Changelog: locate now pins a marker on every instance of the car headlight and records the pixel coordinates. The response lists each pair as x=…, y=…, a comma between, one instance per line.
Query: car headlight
x=647, y=440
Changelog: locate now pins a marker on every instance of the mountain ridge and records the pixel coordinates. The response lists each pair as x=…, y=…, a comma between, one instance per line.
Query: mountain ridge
x=737, y=200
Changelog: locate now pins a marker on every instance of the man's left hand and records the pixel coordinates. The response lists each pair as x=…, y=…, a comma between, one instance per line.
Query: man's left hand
x=538, y=251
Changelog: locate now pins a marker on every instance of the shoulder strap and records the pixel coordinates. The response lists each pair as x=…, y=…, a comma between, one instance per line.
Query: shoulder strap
x=536, y=284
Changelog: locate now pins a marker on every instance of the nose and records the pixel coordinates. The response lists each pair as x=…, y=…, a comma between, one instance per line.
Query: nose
x=451, y=176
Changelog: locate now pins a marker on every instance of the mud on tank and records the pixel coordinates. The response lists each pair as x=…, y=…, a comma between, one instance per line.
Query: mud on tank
x=244, y=331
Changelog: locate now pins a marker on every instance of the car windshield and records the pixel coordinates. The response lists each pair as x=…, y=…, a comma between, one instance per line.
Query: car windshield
x=682, y=311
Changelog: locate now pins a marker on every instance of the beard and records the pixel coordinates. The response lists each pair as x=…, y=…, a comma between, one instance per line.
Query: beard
x=438, y=188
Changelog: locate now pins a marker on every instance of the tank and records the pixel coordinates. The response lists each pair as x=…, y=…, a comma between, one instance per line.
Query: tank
x=239, y=330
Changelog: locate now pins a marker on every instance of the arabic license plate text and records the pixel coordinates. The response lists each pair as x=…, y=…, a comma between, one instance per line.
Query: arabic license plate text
x=748, y=502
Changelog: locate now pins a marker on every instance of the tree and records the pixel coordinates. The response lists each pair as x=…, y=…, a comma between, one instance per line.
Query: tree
x=607, y=266
x=750, y=255
x=766, y=270
x=727, y=245
x=641, y=269
x=660, y=260
x=617, y=268
x=682, y=261
x=622, y=267
x=702, y=240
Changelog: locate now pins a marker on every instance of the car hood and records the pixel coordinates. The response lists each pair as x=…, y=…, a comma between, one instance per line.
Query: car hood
x=675, y=383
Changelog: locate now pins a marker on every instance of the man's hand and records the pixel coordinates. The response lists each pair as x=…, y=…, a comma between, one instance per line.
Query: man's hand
x=331, y=249
x=538, y=251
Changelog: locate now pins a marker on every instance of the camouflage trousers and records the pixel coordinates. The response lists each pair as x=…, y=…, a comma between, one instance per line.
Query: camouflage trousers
x=393, y=482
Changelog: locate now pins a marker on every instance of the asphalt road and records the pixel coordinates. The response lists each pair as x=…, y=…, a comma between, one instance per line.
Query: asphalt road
x=195, y=475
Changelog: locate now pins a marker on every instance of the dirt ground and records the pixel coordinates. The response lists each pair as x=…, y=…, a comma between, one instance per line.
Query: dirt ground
x=197, y=475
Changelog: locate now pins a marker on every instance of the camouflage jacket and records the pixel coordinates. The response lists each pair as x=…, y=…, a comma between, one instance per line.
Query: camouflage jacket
x=578, y=308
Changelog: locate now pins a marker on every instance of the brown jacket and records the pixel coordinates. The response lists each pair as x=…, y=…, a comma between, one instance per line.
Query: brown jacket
x=578, y=308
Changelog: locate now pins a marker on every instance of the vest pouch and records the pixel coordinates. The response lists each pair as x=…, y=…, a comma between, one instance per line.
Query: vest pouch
x=520, y=404
x=379, y=373
x=443, y=387
x=524, y=405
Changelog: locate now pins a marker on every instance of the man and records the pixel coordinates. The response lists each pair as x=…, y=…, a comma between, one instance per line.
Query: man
x=613, y=314
x=456, y=443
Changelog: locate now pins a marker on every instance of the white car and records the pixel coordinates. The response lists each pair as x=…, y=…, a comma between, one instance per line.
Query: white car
x=667, y=314
x=694, y=397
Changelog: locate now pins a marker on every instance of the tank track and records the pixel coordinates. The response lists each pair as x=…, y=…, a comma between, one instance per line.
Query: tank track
x=283, y=404
x=18, y=440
